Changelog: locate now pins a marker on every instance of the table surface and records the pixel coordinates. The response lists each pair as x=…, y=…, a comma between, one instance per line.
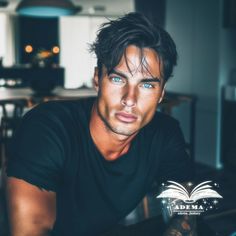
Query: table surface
x=27, y=93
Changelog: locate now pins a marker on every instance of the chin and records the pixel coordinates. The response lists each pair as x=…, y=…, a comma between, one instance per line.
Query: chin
x=123, y=131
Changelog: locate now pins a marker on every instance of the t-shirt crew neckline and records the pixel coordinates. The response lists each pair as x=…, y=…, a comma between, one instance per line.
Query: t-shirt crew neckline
x=99, y=155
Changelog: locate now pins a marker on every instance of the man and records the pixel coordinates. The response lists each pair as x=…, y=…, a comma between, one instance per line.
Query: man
x=79, y=167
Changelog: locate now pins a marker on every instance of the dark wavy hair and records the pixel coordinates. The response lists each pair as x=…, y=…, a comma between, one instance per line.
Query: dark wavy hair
x=133, y=29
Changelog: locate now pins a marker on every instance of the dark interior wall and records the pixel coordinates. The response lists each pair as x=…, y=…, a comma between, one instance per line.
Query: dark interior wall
x=229, y=13
x=152, y=9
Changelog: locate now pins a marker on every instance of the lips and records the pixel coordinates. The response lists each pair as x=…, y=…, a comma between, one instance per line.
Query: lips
x=125, y=117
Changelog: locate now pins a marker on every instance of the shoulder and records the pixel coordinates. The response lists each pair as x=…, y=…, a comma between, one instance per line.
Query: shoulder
x=163, y=129
x=163, y=122
x=51, y=108
x=59, y=111
x=58, y=120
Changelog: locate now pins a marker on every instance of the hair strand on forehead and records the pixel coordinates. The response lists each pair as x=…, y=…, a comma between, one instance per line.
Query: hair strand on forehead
x=133, y=29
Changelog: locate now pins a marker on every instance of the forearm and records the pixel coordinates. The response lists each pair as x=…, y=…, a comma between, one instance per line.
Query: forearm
x=25, y=232
x=31, y=211
x=24, y=226
x=181, y=226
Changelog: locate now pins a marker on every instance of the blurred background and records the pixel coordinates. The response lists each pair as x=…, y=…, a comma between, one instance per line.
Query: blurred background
x=44, y=55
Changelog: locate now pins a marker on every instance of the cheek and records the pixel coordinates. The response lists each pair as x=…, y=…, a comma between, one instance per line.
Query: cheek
x=111, y=94
x=109, y=99
x=148, y=100
x=148, y=106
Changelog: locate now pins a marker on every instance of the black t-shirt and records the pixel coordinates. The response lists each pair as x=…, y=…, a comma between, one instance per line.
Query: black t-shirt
x=53, y=150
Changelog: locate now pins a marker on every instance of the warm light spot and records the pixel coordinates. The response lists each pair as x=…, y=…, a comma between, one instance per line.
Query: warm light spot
x=28, y=48
x=45, y=54
x=56, y=50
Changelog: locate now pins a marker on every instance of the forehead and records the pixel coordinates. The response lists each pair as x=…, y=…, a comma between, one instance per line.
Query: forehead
x=136, y=60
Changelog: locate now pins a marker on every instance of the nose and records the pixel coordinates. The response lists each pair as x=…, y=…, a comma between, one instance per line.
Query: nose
x=130, y=97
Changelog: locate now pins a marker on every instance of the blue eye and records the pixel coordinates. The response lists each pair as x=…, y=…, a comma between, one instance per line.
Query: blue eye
x=147, y=85
x=116, y=80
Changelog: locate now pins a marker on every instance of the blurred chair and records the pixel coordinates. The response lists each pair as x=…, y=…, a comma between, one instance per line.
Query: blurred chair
x=11, y=111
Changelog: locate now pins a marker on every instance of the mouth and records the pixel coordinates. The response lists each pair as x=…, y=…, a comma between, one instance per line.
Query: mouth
x=125, y=117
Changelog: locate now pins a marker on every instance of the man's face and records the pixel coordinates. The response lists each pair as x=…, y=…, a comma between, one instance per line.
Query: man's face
x=128, y=95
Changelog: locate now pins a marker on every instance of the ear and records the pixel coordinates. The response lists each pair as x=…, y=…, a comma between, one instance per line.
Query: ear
x=162, y=94
x=96, y=79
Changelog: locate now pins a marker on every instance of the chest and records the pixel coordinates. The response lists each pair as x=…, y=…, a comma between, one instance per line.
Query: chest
x=98, y=193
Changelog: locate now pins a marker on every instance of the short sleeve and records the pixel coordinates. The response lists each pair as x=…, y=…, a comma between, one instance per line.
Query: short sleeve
x=175, y=164
x=36, y=151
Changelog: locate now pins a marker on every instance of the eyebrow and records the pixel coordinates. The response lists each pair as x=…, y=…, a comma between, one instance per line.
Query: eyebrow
x=152, y=79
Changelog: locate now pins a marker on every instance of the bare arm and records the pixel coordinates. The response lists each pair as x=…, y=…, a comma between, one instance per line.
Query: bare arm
x=182, y=226
x=31, y=210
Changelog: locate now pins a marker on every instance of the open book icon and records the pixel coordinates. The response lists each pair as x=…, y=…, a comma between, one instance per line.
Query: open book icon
x=178, y=191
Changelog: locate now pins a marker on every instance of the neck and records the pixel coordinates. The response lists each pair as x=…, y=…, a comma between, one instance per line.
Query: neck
x=110, y=144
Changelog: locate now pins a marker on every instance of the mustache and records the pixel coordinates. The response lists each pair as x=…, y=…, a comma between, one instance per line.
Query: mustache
x=129, y=111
